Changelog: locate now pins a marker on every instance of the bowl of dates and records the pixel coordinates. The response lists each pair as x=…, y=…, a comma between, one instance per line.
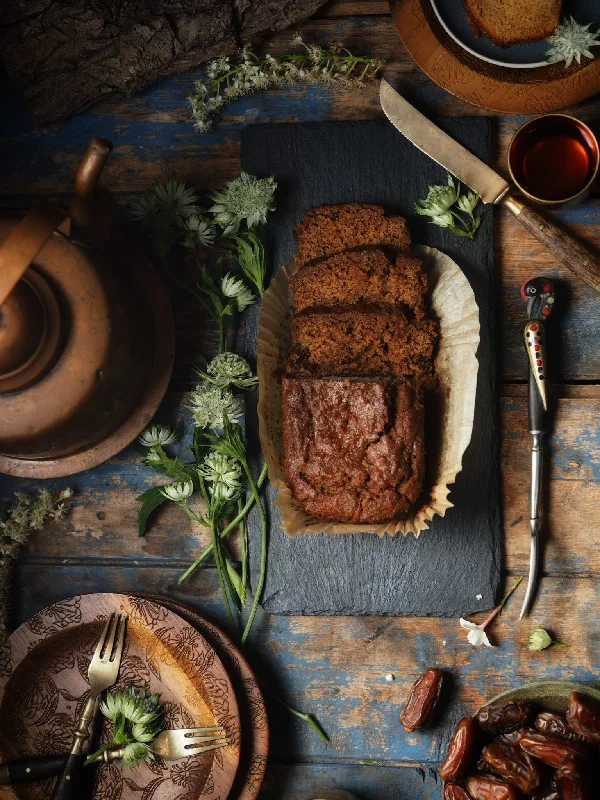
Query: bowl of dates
x=539, y=741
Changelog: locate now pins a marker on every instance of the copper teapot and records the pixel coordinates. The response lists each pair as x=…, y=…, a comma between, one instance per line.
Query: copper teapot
x=86, y=333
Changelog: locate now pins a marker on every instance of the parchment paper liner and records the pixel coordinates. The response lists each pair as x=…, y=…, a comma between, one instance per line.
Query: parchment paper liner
x=456, y=366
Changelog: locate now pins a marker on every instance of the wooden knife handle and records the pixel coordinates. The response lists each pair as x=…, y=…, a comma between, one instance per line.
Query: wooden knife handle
x=574, y=255
x=34, y=768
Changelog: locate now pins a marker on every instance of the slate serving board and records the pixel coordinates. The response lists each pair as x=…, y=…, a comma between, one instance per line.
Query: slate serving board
x=459, y=557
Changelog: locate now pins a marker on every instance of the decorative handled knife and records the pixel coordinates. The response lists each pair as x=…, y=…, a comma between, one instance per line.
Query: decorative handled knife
x=540, y=294
x=489, y=185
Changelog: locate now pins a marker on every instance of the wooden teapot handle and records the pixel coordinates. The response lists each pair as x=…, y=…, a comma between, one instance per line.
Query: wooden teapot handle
x=24, y=242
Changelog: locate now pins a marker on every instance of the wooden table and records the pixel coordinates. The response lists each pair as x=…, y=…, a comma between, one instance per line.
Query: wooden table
x=335, y=667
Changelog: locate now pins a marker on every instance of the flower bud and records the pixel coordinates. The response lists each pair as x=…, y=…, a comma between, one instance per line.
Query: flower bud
x=539, y=640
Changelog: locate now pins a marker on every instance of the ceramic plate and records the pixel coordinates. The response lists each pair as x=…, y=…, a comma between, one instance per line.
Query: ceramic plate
x=453, y=18
x=253, y=714
x=43, y=686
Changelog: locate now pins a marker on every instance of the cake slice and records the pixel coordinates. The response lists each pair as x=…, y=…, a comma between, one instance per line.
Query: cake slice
x=364, y=340
x=331, y=229
x=367, y=275
x=513, y=21
x=354, y=450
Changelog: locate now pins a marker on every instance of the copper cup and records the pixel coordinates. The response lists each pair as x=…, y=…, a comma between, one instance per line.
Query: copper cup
x=553, y=160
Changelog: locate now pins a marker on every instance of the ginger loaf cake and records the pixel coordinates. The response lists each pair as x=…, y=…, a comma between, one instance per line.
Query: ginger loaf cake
x=513, y=21
x=331, y=229
x=354, y=450
x=361, y=340
x=366, y=275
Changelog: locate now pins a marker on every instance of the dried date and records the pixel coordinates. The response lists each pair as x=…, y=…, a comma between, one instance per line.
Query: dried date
x=496, y=720
x=453, y=791
x=462, y=750
x=553, y=750
x=514, y=765
x=555, y=725
x=571, y=786
x=583, y=715
x=490, y=787
x=514, y=737
x=422, y=700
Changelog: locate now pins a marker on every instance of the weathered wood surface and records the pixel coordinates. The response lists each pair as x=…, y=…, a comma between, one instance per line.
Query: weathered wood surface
x=66, y=56
x=334, y=666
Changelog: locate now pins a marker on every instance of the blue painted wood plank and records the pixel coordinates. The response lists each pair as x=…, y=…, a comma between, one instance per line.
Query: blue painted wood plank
x=336, y=667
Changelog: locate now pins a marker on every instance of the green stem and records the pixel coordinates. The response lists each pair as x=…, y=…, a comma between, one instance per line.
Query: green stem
x=243, y=546
x=223, y=325
x=221, y=571
x=499, y=608
x=263, y=550
x=312, y=720
x=227, y=530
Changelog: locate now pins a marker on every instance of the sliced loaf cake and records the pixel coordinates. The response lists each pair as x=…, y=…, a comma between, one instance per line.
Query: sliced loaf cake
x=367, y=275
x=354, y=450
x=365, y=340
x=331, y=229
x=508, y=22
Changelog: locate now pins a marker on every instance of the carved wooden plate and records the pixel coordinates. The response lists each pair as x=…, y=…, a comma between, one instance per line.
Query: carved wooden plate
x=489, y=86
x=254, y=747
x=43, y=685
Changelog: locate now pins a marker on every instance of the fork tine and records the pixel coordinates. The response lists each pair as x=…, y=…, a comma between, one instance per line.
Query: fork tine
x=122, y=629
x=110, y=639
x=102, y=640
x=195, y=731
x=211, y=738
x=195, y=750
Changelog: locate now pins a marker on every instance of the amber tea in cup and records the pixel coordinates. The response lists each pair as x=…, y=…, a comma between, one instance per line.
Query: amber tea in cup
x=553, y=159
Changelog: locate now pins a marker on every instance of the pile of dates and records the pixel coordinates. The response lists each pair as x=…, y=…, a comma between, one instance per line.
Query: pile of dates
x=510, y=752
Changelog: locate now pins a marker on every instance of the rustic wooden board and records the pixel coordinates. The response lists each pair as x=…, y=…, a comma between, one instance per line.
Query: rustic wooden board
x=362, y=573
x=333, y=667
x=336, y=666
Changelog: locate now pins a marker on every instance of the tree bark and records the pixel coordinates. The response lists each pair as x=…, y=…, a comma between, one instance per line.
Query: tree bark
x=67, y=54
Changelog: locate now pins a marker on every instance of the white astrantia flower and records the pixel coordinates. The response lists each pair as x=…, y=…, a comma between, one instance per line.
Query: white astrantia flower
x=178, y=491
x=175, y=198
x=210, y=405
x=135, y=752
x=467, y=202
x=157, y=435
x=244, y=200
x=143, y=208
x=153, y=456
x=570, y=41
x=439, y=199
x=236, y=289
x=477, y=635
x=198, y=231
x=231, y=369
x=224, y=474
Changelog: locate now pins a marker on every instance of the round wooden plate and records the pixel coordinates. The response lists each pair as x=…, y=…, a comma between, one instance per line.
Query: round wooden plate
x=254, y=747
x=43, y=686
x=501, y=89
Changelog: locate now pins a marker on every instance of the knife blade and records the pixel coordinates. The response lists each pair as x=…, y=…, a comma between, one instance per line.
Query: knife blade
x=491, y=187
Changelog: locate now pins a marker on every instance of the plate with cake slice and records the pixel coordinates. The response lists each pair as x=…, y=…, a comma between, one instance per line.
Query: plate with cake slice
x=364, y=345
x=493, y=54
x=513, y=33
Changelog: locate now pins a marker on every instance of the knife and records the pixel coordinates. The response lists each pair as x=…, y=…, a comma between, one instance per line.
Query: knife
x=491, y=187
x=540, y=294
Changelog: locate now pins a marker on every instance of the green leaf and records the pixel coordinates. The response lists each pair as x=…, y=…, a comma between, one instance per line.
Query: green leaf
x=151, y=499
